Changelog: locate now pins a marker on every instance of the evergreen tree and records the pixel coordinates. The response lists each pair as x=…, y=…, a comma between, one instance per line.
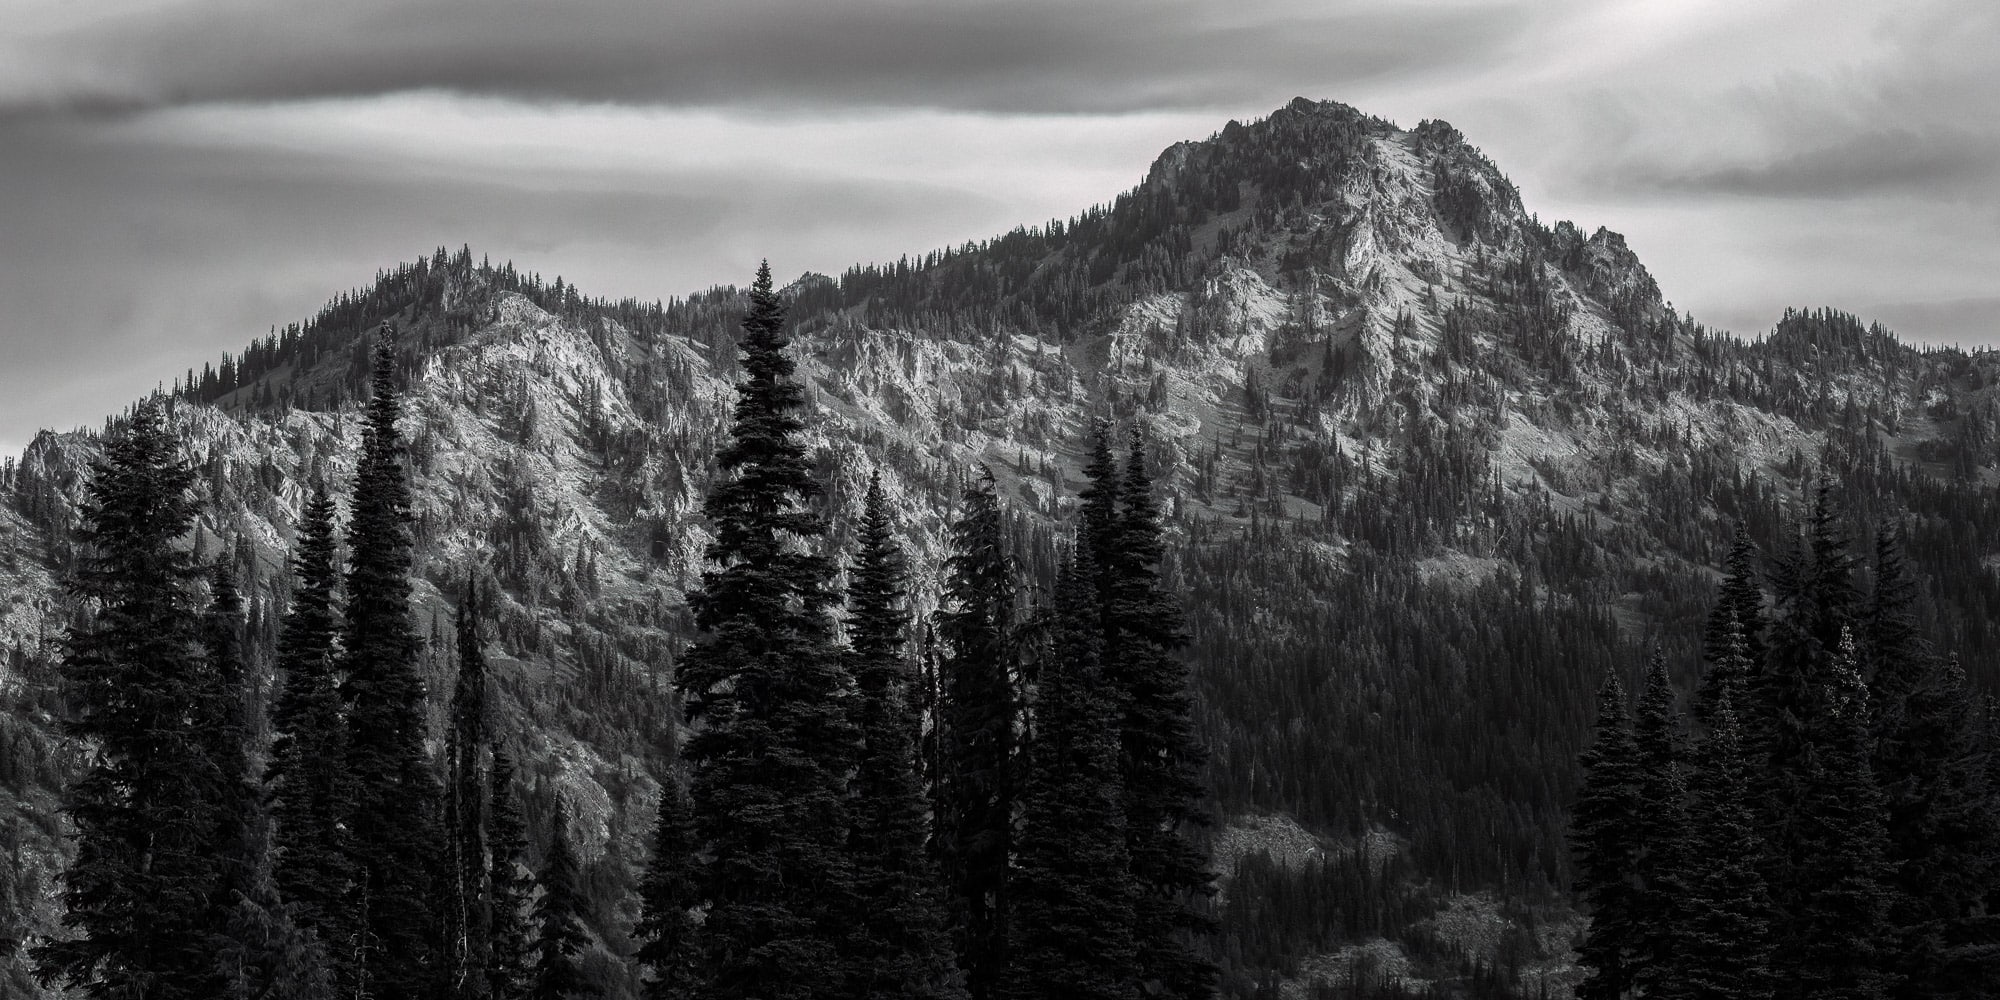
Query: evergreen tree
x=976, y=628
x=397, y=833
x=510, y=950
x=1740, y=597
x=1732, y=645
x=1731, y=670
x=1161, y=759
x=1923, y=754
x=1072, y=921
x=670, y=948
x=772, y=745
x=1816, y=603
x=1098, y=530
x=311, y=794
x=1724, y=944
x=468, y=911
x=1941, y=833
x=1604, y=834
x=138, y=893
x=1662, y=829
x=224, y=724
x=1838, y=943
x=1895, y=655
x=1815, y=607
x=902, y=948
x=560, y=938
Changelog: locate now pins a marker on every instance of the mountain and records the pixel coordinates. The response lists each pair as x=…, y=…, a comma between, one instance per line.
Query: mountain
x=1429, y=467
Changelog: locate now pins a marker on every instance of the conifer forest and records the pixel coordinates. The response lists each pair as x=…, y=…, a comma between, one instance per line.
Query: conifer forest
x=1305, y=576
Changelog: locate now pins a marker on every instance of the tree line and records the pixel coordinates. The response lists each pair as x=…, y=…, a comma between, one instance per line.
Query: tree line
x=1820, y=820
x=1008, y=806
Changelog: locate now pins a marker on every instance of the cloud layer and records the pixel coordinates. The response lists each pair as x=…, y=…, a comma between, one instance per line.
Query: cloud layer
x=1034, y=56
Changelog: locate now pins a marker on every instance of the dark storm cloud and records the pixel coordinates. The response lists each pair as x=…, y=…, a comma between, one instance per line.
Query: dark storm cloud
x=1031, y=55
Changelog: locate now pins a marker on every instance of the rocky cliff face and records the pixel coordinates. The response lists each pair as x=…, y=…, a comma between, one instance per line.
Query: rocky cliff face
x=1431, y=467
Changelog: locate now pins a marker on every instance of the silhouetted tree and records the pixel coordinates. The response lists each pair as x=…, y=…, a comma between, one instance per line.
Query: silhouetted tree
x=560, y=937
x=1161, y=759
x=311, y=792
x=1723, y=948
x=397, y=839
x=975, y=626
x=772, y=744
x=468, y=911
x=668, y=931
x=902, y=948
x=1072, y=918
x=1605, y=835
x=141, y=893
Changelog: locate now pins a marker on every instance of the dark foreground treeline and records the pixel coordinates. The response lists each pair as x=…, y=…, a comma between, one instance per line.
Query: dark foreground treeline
x=1007, y=810
x=1821, y=821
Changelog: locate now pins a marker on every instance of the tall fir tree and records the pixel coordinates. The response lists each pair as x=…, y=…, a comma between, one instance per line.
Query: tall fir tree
x=772, y=745
x=1816, y=603
x=1895, y=655
x=468, y=908
x=902, y=948
x=1914, y=738
x=1942, y=834
x=1604, y=833
x=1098, y=530
x=668, y=931
x=510, y=945
x=1723, y=951
x=1942, y=827
x=1662, y=827
x=225, y=725
x=1732, y=644
x=1073, y=911
x=1815, y=606
x=1741, y=596
x=559, y=938
x=975, y=626
x=397, y=830
x=1838, y=944
x=311, y=794
x=1161, y=759
x=139, y=893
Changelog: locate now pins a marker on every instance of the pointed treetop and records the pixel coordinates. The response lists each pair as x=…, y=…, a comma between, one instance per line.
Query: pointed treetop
x=1730, y=668
x=1850, y=693
x=1611, y=696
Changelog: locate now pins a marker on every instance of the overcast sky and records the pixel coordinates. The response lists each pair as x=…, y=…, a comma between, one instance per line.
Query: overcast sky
x=178, y=176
